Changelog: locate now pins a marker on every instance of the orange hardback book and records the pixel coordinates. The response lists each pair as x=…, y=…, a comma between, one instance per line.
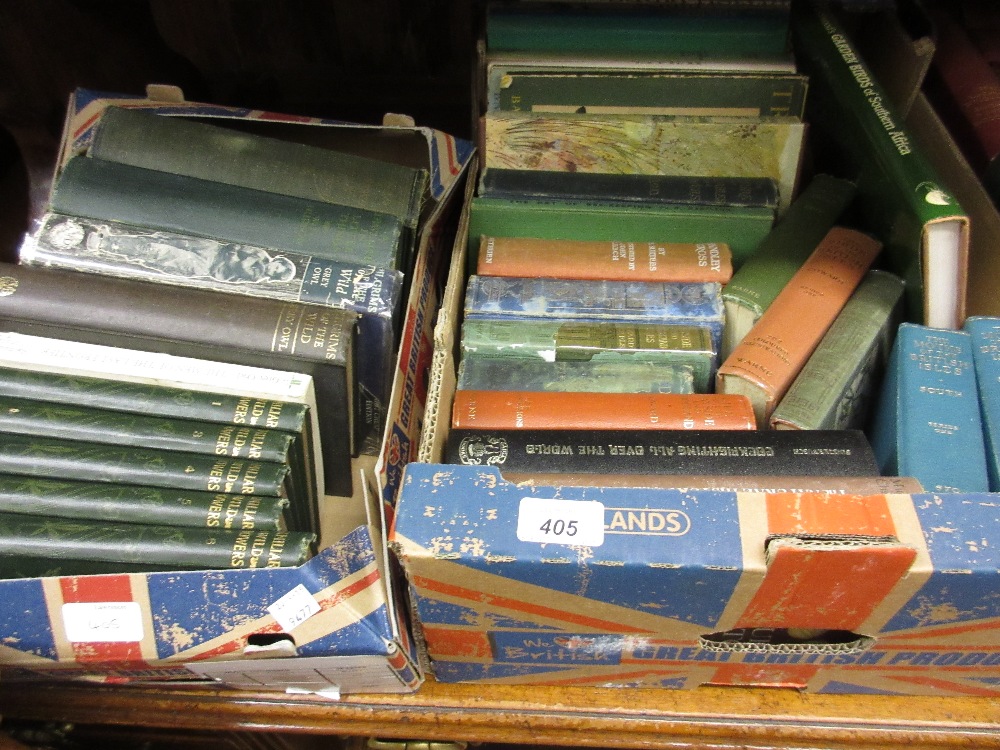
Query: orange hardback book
x=764, y=364
x=578, y=410
x=605, y=260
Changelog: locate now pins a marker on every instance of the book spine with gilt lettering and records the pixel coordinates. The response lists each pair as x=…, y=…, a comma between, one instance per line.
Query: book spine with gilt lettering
x=605, y=260
x=86, y=424
x=68, y=541
x=836, y=387
x=782, y=252
x=499, y=182
x=603, y=341
x=985, y=333
x=133, y=503
x=597, y=376
x=928, y=422
x=600, y=411
x=70, y=459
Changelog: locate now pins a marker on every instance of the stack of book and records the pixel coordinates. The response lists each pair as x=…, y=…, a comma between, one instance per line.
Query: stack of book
x=152, y=470
x=167, y=200
x=938, y=415
x=574, y=268
x=638, y=122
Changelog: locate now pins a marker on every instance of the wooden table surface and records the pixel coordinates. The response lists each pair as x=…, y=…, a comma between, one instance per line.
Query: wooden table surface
x=702, y=718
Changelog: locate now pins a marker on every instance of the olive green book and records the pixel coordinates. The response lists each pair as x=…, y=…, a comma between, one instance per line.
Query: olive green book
x=572, y=341
x=796, y=234
x=74, y=544
x=132, y=503
x=835, y=388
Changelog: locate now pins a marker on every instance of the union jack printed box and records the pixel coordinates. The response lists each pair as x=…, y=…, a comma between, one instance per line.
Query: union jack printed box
x=527, y=584
x=337, y=615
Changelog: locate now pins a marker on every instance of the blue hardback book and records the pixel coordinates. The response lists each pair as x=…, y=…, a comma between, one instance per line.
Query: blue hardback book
x=676, y=303
x=985, y=332
x=927, y=424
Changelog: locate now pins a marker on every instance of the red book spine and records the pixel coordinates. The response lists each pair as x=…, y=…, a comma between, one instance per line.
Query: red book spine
x=605, y=260
x=475, y=409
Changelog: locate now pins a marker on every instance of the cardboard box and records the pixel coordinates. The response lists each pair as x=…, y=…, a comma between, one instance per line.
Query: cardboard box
x=825, y=593
x=332, y=625
x=893, y=594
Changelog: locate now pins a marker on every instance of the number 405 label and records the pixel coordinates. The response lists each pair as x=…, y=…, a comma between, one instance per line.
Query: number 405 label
x=576, y=522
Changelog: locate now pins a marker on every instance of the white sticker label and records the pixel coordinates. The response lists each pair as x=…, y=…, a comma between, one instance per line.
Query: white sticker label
x=294, y=608
x=576, y=522
x=103, y=622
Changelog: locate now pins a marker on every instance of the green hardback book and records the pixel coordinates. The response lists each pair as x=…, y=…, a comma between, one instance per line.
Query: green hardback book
x=601, y=376
x=102, y=189
x=74, y=421
x=639, y=27
x=732, y=146
x=835, y=388
x=742, y=228
x=70, y=459
x=859, y=134
x=143, y=546
x=21, y=416
x=120, y=412
x=132, y=503
x=151, y=398
x=796, y=234
x=214, y=152
x=675, y=93
x=565, y=341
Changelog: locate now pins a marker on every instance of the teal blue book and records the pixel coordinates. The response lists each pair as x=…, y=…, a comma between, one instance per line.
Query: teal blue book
x=927, y=423
x=985, y=332
x=604, y=28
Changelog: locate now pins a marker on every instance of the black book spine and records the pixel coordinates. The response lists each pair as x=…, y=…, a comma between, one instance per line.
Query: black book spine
x=720, y=452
